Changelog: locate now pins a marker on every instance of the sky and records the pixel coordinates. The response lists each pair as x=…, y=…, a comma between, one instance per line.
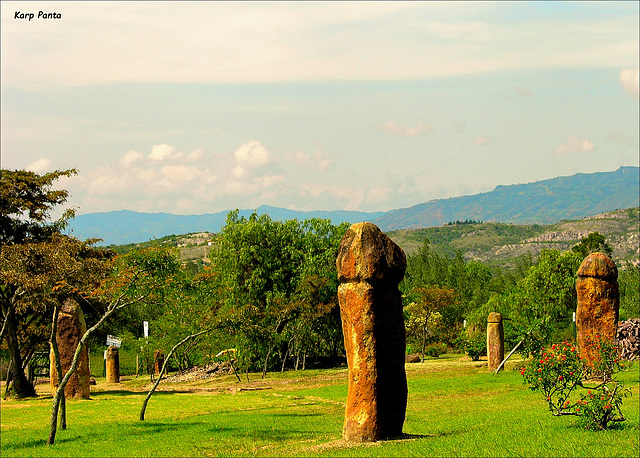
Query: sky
x=200, y=107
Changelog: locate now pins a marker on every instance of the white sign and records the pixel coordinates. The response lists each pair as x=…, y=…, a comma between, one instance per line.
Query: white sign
x=574, y=317
x=145, y=328
x=113, y=341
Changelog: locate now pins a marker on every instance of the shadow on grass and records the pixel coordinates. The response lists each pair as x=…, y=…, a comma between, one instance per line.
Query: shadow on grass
x=130, y=393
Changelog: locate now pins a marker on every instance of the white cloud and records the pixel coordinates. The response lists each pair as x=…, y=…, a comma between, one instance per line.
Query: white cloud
x=180, y=173
x=285, y=41
x=196, y=155
x=252, y=154
x=397, y=129
x=574, y=145
x=163, y=151
x=41, y=166
x=131, y=157
x=238, y=172
x=629, y=80
x=378, y=195
x=270, y=180
x=316, y=161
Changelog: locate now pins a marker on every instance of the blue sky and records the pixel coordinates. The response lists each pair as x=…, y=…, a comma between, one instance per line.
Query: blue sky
x=201, y=107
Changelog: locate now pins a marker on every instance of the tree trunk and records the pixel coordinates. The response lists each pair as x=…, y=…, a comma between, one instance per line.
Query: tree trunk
x=7, y=383
x=266, y=362
x=21, y=386
x=74, y=365
x=164, y=368
x=56, y=355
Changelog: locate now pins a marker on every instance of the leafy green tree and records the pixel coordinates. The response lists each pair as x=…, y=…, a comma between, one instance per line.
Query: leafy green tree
x=26, y=201
x=191, y=304
x=539, y=304
x=425, y=315
x=472, y=281
x=31, y=253
x=629, y=284
x=592, y=243
x=264, y=265
x=140, y=276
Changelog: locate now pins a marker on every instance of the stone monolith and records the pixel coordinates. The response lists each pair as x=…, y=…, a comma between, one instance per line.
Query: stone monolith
x=598, y=303
x=158, y=361
x=495, y=340
x=370, y=267
x=71, y=327
x=113, y=365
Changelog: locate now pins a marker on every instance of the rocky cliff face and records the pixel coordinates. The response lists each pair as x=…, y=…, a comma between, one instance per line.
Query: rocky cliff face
x=621, y=229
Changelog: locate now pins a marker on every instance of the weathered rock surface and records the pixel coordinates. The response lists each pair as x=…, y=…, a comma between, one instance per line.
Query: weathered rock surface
x=495, y=340
x=71, y=327
x=113, y=365
x=628, y=337
x=370, y=266
x=598, y=303
x=158, y=361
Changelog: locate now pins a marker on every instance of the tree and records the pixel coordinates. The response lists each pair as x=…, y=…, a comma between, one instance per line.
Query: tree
x=137, y=277
x=539, y=304
x=263, y=266
x=472, y=281
x=425, y=314
x=26, y=200
x=629, y=283
x=592, y=243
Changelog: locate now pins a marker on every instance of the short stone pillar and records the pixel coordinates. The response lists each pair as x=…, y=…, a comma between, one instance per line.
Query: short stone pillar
x=113, y=365
x=598, y=303
x=495, y=340
x=370, y=267
x=158, y=361
x=70, y=329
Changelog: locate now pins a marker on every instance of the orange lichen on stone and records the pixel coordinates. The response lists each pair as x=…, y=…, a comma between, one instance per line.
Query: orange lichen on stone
x=70, y=329
x=370, y=266
x=495, y=340
x=598, y=303
x=112, y=365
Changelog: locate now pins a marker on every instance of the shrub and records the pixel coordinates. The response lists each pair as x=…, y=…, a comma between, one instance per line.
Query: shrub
x=559, y=370
x=435, y=349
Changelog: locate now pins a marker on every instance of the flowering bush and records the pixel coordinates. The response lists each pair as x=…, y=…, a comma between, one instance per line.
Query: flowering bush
x=436, y=349
x=608, y=361
x=555, y=371
x=558, y=370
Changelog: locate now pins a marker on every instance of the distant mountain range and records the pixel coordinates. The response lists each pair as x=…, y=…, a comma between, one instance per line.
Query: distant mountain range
x=542, y=202
x=125, y=226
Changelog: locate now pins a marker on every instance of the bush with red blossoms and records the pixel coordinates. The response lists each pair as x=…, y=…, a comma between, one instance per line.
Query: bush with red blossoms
x=557, y=372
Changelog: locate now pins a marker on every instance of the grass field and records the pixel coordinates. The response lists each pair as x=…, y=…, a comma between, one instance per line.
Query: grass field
x=455, y=408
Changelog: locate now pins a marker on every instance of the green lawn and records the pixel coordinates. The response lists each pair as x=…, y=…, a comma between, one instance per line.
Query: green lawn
x=455, y=408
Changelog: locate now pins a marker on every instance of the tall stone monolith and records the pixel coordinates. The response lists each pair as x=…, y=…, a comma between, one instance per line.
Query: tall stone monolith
x=70, y=329
x=598, y=303
x=113, y=365
x=158, y=361
x=495, y=340
x=370, y=267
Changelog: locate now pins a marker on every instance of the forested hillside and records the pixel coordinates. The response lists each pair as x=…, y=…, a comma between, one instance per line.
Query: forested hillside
x=497, y=244
x=500, y=244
